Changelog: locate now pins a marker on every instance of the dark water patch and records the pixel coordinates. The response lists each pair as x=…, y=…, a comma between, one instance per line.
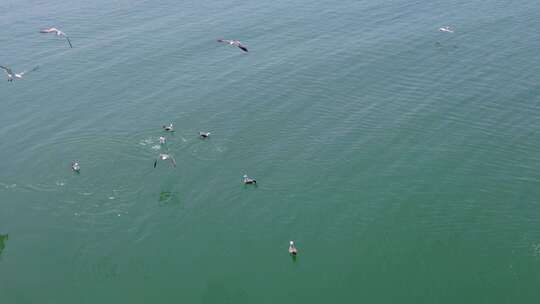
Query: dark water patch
x=169, y=198
x=3, y=239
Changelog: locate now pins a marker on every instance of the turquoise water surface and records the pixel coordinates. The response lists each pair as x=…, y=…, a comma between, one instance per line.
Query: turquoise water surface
x=403, y=161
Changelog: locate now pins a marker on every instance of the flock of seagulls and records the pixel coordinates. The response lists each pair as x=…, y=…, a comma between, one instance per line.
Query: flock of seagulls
x=12, y=76
x=75, y=165
x=16, y=76
x=168, y=157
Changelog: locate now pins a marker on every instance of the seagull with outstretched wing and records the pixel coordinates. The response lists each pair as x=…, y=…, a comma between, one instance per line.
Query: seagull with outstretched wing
x=58, y=33
x=234, y=43
x=11, y=76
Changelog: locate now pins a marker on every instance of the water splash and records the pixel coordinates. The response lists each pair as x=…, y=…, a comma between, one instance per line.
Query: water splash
x=8, y=186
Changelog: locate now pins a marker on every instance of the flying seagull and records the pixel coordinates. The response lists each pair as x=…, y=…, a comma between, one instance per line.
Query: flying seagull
x=11, y=76
x=446, y=29
x=163, y=156
x=58, y=33
x=234, y=43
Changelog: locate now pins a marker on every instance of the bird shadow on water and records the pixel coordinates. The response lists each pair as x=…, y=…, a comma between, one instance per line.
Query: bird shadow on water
x=3, y=239
x=293, y=258
x=446, y=47
x=250, y=187
x=169, y=198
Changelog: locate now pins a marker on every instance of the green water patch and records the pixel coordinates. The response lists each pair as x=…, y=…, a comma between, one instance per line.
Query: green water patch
x=169, y=198
x=3, y=239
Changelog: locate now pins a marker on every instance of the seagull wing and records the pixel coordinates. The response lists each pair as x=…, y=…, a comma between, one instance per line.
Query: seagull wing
x=155, y=163
x=32, y=70
x=50, y=30
x=223, y=41
x=240, y=45
x=243, y=48
x=173, y=161
x=67, y=38
x=8, y=70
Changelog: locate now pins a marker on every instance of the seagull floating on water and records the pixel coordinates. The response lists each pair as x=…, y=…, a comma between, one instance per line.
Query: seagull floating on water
x=204, y=134
x=292, y=248
x=11, y=76
x=58, y=33
x=234, y=43
x=75, y=166
x=169, y=128
x=163, y=156
x=446, y=29
x=248, y=180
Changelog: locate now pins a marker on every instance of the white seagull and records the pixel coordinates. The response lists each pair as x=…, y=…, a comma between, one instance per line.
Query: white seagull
x=234, y=43
x=163, y=156
x=248, y=180
x=292, y=248
x=169, y=128
x=446, y=29
x=11, y=76
x=58, y=33
x=204, y=135
x=75, y=166
x=162, y=140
